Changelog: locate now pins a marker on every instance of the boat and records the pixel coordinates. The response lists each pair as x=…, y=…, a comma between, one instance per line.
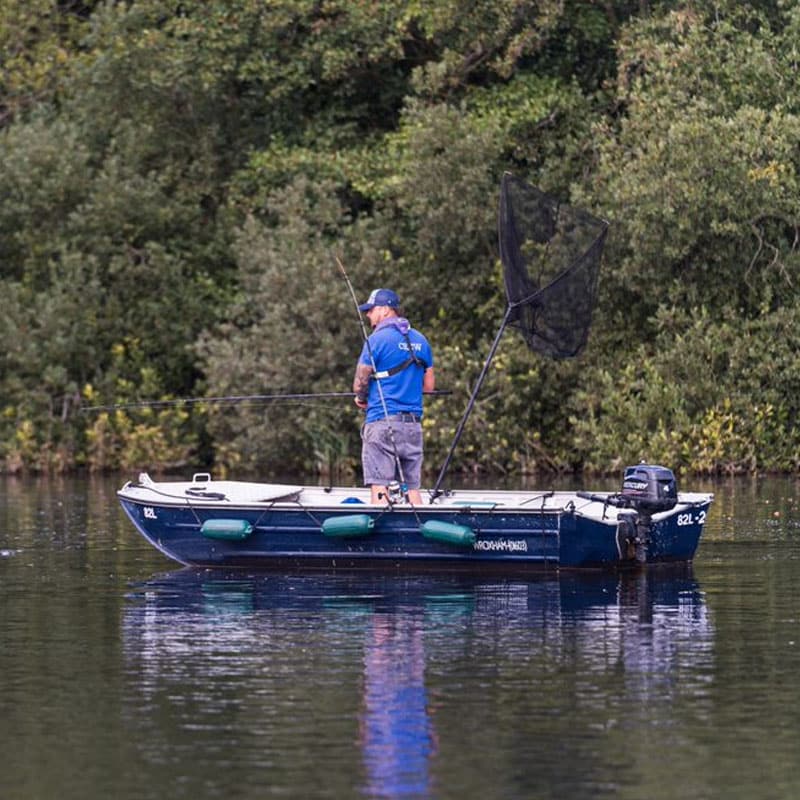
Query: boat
x=228, y=523
x=551, y=257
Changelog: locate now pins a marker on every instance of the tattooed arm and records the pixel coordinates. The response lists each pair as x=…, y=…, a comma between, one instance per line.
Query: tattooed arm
x=361, y=384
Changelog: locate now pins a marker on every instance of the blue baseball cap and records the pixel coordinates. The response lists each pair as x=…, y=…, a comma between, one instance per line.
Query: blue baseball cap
x=380, y=297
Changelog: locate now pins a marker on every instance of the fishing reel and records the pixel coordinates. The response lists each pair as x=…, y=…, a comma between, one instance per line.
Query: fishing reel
x=395, y=492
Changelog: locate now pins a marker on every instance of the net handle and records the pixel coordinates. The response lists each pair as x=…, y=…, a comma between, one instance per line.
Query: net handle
x=436, y=491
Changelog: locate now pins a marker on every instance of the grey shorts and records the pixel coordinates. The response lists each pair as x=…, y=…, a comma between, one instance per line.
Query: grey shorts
x=378, y=455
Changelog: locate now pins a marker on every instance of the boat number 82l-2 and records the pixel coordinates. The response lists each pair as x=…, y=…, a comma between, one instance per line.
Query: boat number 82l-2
x=689, y=519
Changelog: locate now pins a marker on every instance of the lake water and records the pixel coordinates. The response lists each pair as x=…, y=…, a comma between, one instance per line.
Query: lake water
x=122, y=676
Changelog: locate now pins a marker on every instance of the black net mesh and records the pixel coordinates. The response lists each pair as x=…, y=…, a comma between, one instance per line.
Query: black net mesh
x=551, y=258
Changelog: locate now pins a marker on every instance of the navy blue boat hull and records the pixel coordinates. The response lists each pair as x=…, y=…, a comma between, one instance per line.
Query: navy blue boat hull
x=513, y=541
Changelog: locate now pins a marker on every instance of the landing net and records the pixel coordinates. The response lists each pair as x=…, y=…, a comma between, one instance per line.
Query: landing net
x=551, y=258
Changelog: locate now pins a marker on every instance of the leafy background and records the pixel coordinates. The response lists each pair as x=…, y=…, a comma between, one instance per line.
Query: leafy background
x=177, y=178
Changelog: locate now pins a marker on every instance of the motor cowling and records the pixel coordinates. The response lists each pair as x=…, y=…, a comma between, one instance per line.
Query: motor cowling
x=649, y=488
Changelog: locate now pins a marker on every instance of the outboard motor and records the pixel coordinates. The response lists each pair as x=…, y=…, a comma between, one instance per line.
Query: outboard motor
x=646, y=490
x=649, y=488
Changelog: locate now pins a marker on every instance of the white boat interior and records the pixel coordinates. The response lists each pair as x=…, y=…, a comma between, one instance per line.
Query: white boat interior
x=203, y=491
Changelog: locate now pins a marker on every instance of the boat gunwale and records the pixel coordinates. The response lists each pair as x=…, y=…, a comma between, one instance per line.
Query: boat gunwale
x=607, y=516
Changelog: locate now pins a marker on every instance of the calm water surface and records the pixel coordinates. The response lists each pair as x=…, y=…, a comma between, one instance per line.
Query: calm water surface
x=122, y=676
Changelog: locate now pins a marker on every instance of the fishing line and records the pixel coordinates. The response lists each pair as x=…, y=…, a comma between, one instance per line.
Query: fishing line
x=229, y=400
x=249, y=399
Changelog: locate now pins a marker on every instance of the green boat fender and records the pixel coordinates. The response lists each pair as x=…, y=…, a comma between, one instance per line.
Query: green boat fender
x=348, y=526
x=449, y=533
x=230, y=529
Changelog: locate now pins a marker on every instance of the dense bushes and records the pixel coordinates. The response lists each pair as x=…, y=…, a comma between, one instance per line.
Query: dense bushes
x=176, y=189
x=711, y=395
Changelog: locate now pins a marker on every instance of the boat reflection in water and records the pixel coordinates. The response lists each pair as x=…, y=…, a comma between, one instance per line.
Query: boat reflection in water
x=276, y=662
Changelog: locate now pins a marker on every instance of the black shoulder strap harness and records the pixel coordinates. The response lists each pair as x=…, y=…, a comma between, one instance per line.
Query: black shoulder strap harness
x=413, y=358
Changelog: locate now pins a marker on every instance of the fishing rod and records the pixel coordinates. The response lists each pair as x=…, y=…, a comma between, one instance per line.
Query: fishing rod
x=234, y=399
x=365, y=336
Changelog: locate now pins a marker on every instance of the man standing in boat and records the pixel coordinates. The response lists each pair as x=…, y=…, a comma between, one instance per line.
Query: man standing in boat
x=394, y=369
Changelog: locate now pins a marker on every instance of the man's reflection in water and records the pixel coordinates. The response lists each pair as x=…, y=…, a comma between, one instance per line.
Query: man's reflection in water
x=396, y=733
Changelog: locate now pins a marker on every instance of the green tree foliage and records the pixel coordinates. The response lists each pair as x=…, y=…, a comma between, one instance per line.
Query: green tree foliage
x=699, y=175
x=719, y=396
x=178, y=177
x=428, y=190
x=39, y=41
x=292, y=328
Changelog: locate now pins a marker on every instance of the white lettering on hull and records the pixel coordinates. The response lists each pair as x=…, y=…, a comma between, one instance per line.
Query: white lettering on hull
x=501, y=545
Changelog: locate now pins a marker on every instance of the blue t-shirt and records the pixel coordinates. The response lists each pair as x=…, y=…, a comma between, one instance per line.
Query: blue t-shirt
x=402, y=391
